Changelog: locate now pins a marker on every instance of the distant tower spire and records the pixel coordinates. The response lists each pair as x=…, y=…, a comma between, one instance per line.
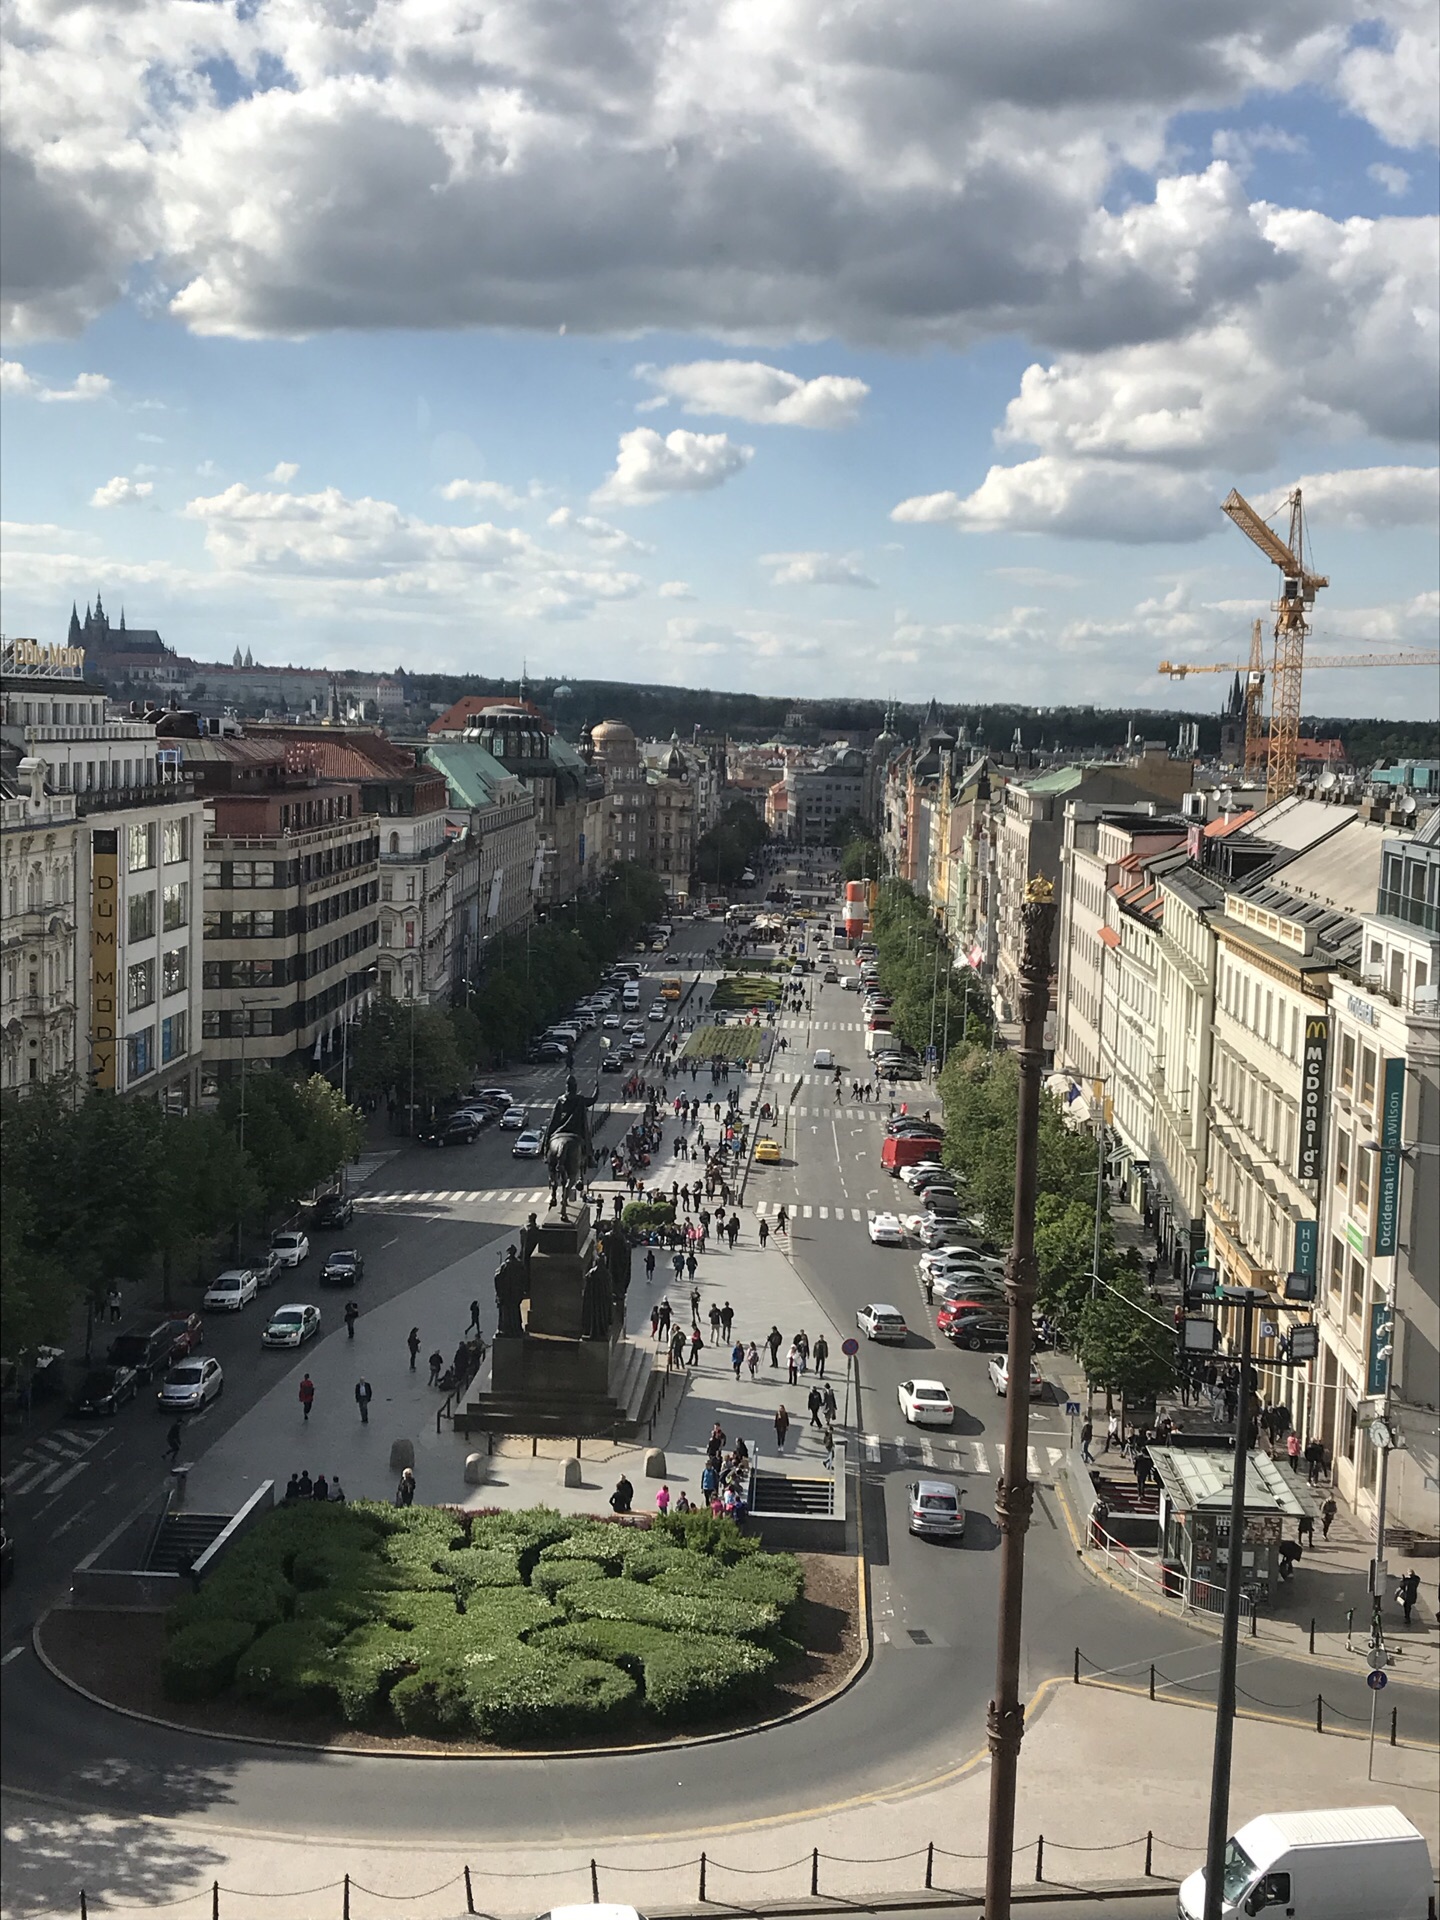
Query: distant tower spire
x=238, y=660
x=74, y=637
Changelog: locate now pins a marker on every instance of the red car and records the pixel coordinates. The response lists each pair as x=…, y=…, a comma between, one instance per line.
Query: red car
x=954, y=1310
x=187, y=1332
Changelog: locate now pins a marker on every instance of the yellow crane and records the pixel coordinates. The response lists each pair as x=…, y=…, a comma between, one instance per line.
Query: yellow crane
x=1298, y=587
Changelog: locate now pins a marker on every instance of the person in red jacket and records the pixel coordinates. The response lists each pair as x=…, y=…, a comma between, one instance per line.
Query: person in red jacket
x=307, y=1395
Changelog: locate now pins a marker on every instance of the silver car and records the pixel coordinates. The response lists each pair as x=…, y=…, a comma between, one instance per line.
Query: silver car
x=190, y=1385
x=937, y=1508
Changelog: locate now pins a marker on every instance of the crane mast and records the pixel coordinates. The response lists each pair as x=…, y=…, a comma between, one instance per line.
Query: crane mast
x=1298, y=587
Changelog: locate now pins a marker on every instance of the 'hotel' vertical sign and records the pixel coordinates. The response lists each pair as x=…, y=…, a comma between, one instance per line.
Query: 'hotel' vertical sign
x=104, y=955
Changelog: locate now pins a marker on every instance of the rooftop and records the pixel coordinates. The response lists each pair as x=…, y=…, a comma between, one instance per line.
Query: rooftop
x=1202, y=1478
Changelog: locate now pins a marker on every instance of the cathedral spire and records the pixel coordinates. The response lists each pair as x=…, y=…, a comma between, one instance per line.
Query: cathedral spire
x=75, y=637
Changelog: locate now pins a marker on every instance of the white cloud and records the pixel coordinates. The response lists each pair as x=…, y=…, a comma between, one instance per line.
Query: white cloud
x=751, y=390
x=1076, y=499
x=122, y=492
x=1240, y=145
x=815, y=570
x=283, y=472
x=493, y=493
x=1393, y=85
x=1037, y=577
x=1373, y=498
x=675, y=590
x=17, y=383
x=1393, y=180
x=647, y=466
x=599, y=533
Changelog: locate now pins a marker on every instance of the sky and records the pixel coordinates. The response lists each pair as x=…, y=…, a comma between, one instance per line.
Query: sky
x=896, y=350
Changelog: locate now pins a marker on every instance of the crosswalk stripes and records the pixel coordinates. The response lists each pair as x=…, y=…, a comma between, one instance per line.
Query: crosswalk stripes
x=483, y=1196
x=799, y=1211
x=957, y=1456
x=59, y=1453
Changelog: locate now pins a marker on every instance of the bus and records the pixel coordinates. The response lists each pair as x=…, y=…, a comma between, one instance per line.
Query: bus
x=670, y=987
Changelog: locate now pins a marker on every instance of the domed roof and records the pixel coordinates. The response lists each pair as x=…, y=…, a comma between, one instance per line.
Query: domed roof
x=612, y=733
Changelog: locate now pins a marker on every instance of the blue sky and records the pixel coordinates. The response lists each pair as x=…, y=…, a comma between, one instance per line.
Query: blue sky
x=911, y=354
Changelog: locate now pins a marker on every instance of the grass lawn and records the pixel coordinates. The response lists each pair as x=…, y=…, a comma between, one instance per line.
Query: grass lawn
x=739, y=992
x=725, y=1043
x=528, y=1626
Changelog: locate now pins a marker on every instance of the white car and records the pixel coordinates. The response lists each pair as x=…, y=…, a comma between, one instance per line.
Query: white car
x=657, y=1011
x=512, y=1120
x=916, y=1174
x=925, y=1403
x=999, y=1371
x=291, y=1326
x=886, y=1230
x=881, y=1322
x=612, y=1022
x=229, y=1292
x=939, y=1233
x=190, y=1384
x=290, y=1248
x=527, y=1147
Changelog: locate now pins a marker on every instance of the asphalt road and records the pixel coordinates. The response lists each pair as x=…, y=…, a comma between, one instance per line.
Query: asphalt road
x=915, y=1715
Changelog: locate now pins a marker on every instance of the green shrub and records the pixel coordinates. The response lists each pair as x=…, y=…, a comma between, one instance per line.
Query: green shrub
x=471, y=1567
x=290, y=1668
x=592, y=1540
x=366, y=1665
x=709, y=1533
x=676, y=1612
x=551, y=1575
x=259, y=1595
x=199, y=1659
x=686, y=1677
x=512, y=1692
x=647, y=1216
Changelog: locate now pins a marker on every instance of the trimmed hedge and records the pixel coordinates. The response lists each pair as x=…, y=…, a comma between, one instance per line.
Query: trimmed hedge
x=525, y=1627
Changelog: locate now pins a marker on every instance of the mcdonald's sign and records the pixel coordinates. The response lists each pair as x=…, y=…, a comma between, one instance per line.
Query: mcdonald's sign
x=104, y=955
x=1313, y=1059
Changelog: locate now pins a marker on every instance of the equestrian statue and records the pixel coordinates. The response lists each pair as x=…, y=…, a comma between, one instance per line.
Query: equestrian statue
x=567, y=1145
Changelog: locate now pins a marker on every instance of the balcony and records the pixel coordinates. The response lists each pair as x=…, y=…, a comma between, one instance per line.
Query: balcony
x=157, y=793
x=36, y=923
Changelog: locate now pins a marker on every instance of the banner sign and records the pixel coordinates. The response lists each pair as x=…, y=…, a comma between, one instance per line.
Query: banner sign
x=1382, y=1325
x=1307, y=1246
x=1312, y=1095
x=1387, y=1197
x=104, y=955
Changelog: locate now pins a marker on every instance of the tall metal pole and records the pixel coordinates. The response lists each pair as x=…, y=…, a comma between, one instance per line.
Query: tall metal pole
x=1230, y=1626
x=1014, y=1495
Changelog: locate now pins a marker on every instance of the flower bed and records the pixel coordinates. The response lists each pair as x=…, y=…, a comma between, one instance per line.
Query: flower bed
x=513, y=1627
x=724, y=1043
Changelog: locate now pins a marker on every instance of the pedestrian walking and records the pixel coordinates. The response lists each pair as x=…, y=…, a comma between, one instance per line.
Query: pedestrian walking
x=820, y=1353
x=1327, y=1516
x=764, y=1235
x=694, y=1306
x=172, y=1443
x=475, y=1315
x=732, y=1230
x=827, y=1442
x=727, y=1320
x=678, y=1263
x=697, y=1346
x=352, y=1314
x=676, y=1361
x=737, y=1358
x=752, y=1358
x=114, y=1301
x=437, y=1367
x=691, y=1263
x=714, y=1317
x=1407, y=1593
x=1314, y=1460
x=649, y=1263
x=655, y=1320
x=782, y=1221
x=405, y=1492
x=665, y=1316
x=772, y=1342
x=1087, y=1434
x=829, y=1402
x=307, y=1395
x=815, y=1400
x=1112, y=1433
x=792, y=1364
x=662, y=1500
x=364, y=1394
x=412, y=1341
x=782, y=1427
x=1305, y=1530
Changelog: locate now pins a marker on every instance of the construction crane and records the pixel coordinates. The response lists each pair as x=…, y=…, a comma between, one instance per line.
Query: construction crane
x=1298, y=587
x=1254, y=670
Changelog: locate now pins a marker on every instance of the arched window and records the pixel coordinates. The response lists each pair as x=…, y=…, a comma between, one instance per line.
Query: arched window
x=394, y=843
x=35, y=887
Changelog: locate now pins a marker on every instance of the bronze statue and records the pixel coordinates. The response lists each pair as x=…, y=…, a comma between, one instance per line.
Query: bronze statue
x=566, y=1143
x=616, y=1244
x=529, y=1240
x=595, y=1305
x=511, y=1287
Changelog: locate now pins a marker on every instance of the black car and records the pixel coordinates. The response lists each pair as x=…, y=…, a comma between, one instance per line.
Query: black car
x=105, y=1390
x=333, y=1210
x=611, y=1063
x=342, y=1269
x=461, y=1129
x=147, y=1349
x=979, y=1330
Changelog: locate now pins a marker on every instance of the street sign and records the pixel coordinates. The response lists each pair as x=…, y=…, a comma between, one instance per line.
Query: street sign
x=849, y=1347
x=1377, y=1658
x=1268, y=1330
x=1072, y=1407
x=1377, y=1681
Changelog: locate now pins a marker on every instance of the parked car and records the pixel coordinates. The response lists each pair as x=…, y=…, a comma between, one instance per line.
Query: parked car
x=343, y=1268
x=291, y=1326
x=999, y=1371
x=187, y=1332
x=881, y=1322
x=460, y=1130
x=527, y=1147
x=925, y=1403
x=145, y=1348
x=190, y=1385
x=937, y=1508
x=105, y=1390
x=290, y=1247
x=229, y=1292
x=886, y=1230
x=978, y=1330
x=333, y=1210
x=267, y=1268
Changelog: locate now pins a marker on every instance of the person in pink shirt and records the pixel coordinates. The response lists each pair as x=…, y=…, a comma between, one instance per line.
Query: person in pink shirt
x=662, y=1500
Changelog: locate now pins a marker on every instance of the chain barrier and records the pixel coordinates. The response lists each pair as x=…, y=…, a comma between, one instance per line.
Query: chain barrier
x=212, y=1898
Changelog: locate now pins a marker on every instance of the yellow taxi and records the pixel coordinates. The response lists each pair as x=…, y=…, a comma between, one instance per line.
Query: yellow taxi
x=767, y=1152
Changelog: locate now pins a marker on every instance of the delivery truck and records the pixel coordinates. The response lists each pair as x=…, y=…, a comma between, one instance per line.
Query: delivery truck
x=907, y=1151
x=1350, y=1863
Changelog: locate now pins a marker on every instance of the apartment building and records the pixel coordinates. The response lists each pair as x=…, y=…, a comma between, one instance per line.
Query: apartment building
x=650, y=812
x=39, y=871
x=491, y=817
x=1380, y=1224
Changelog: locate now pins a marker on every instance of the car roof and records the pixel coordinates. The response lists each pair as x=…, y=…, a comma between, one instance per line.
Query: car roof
x=288, y=1233
x=291, y=1306
x=938, y=1385
x=881, y=1306
x=933, y=1487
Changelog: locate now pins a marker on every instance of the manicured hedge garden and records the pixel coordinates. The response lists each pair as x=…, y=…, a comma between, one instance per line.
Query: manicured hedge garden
x=514, y=1627
x=723, y=1043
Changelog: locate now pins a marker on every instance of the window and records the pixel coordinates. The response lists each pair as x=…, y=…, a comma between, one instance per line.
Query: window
x=1357, y=1288
x=252, y=926
x=140, y=985
x=210, y=1024
x=141, y=919
x=175, y=842
x=1362, y=1180
x=140, y=1054
x=1367, y=1076
x=212, y=926
x=1337, y=1264
x=173, y=1042
x=175, y=906
x=140, y=847
x=1347, y=1063
x=252, y=1021
x=212, y=873
x=175, y=970
x=1342, y=1161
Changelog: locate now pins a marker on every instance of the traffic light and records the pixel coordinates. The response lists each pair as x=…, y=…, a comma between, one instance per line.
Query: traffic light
x=1299, y=1286
x=1203, y=1286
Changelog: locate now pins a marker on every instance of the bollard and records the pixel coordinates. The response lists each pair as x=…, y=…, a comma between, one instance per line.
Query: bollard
x=1040, y=1857
x=1254, y=1619
x=814, y=1873
x=1077, y=1666
x=214, y=1900
x=1152, y=1679
x=594, y=1883
x=469, y=1893
x=1312, y=1636
x=1149, y=1853
x=929, y=1865
x=1394, y=1724
x=345, y=1909
x=1349, y=1623
x=702, y=1876
x=84, y=1910
x=1319, y=1713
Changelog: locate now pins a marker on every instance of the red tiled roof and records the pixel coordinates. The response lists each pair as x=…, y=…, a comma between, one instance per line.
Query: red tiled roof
x=469, y=705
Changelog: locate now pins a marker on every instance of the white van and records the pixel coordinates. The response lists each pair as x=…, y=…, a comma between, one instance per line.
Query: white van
x=630, y=998
x=1350, y=1863
x=824, y=1057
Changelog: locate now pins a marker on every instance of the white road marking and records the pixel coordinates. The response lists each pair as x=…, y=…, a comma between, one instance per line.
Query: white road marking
x=34, y=1472
x=982, y=1459
x=55, y=1485
x=13, y=1654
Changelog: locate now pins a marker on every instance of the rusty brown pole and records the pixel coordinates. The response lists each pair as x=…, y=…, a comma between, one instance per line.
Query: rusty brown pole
x=1014, y=1494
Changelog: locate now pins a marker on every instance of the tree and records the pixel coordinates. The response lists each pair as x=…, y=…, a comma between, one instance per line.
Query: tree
x=861, y=858
x=297, y=1133
x=1121, y=1347
x=403, y=1045
x=209, y=1185
x=36, y=1293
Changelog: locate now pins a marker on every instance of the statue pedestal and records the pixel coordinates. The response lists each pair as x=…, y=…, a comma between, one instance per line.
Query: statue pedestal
x=549, y=1371
x=557, y=1274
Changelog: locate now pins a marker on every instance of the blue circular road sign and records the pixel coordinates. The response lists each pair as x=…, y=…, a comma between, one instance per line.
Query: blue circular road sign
x=1377, y=1680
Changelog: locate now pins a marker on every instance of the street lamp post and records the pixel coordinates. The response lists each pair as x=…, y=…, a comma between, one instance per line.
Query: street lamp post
x=1014, y=1494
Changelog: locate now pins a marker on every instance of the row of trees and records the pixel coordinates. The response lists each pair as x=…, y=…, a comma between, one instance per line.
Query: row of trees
x=104, y=1190
x=932, y=1003
x=724, y=851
